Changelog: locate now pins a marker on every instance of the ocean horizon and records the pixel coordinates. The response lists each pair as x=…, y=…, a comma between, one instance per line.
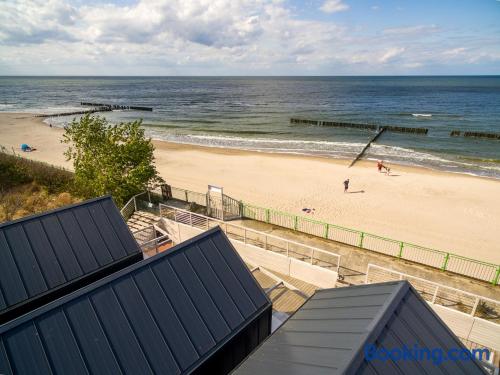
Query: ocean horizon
x=253, y=113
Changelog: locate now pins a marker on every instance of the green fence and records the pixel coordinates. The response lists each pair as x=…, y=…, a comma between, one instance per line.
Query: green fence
x=400, y=249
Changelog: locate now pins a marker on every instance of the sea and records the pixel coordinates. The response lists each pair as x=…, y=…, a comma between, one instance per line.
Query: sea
x=253, y=113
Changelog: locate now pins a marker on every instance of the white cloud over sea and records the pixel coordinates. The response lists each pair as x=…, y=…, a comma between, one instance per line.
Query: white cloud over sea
x=156, y=37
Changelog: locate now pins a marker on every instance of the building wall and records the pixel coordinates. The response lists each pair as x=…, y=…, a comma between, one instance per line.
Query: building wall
x=239, y=347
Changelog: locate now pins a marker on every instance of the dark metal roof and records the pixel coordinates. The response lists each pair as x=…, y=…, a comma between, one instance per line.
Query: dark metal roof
x=328, y=334
x=46, y=251
x=166, y=315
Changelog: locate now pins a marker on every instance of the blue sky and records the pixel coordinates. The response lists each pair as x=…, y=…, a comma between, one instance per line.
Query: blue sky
x=249, y=37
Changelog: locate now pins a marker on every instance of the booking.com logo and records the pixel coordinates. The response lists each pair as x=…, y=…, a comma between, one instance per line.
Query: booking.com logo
x=417, y=353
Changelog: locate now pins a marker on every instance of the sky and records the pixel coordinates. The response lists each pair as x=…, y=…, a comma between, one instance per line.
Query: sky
x=249, y=37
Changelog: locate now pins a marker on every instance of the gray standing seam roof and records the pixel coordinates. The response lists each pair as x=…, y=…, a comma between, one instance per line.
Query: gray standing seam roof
x=166, y=314
x=327, y=335
x=45, y=251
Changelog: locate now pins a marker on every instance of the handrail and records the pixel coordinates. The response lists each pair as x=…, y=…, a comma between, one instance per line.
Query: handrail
x=224, y=225
x=438, y=286
x=150, y=231
x=129, y=202
x=254, y=231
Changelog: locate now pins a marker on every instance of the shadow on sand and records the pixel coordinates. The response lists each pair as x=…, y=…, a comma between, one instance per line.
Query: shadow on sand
x=356, y=192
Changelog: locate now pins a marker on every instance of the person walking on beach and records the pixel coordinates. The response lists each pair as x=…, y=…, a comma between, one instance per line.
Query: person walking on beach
x=346, y=185
x=379, y=165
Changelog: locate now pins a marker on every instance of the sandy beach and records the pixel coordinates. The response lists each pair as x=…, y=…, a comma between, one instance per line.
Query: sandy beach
x=451, y=212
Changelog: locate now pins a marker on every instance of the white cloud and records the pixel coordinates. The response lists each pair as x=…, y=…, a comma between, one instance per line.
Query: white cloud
x=413, y=65
x=410, y=30
x=210, y=37
x=334, y=6
x=390, y=54
x=33, y=21
x=454, y=51
x=375, y=7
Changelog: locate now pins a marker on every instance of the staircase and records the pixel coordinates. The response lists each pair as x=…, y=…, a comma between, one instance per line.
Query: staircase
x=141, y=220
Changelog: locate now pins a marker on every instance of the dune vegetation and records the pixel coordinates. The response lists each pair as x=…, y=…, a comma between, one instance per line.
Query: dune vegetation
x=28, y=187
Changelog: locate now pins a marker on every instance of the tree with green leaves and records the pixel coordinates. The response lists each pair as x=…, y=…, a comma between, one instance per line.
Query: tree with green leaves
x=110, y=159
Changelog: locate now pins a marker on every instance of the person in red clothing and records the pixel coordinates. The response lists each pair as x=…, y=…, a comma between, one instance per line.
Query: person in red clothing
x=379, y=165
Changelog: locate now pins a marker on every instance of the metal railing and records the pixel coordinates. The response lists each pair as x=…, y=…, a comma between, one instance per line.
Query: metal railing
x=442, y=260
x=130, y=207
x=189, y=196
x=148, y=240
x=456, y=299
x=445, y=261
x=292, y=249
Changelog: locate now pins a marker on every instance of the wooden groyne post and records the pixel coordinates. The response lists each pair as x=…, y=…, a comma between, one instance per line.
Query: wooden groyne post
x=334, y=124
x=100, y=109
x=469, y=134
x=373, y=139
x=116, y=106
x=398, y=129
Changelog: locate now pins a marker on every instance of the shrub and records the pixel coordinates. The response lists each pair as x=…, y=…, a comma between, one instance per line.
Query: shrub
x=110, y=159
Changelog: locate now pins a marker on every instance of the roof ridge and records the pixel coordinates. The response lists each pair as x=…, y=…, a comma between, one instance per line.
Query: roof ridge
x=377, y=324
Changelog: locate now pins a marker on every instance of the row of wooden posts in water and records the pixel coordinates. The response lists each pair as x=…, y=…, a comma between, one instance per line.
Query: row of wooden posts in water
x=399, y=129
x=98, y=107
x=83, y=112
x=458, y=133
x=117, y=106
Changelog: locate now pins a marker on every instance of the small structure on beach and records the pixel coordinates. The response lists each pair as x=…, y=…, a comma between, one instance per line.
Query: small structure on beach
x=362, y=330
x=193, y=309
x=45, y=256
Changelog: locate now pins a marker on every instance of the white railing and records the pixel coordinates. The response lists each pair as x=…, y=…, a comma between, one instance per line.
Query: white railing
x=130, y=207
x=148, y=240
x=453, y=298
x=292, y=249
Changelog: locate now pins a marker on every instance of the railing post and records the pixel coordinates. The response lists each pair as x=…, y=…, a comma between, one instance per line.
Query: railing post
x=361, y=237
x=190, y=219
x=312, y=256
x=327, y=228
x=435, y=295
x=135, y=204
x=476, y=304
x=295, y=222
x=445, y=263
x=156, y=245
x=401, y=245
x=186, y=195
x=267, y=215
x=497, y=277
